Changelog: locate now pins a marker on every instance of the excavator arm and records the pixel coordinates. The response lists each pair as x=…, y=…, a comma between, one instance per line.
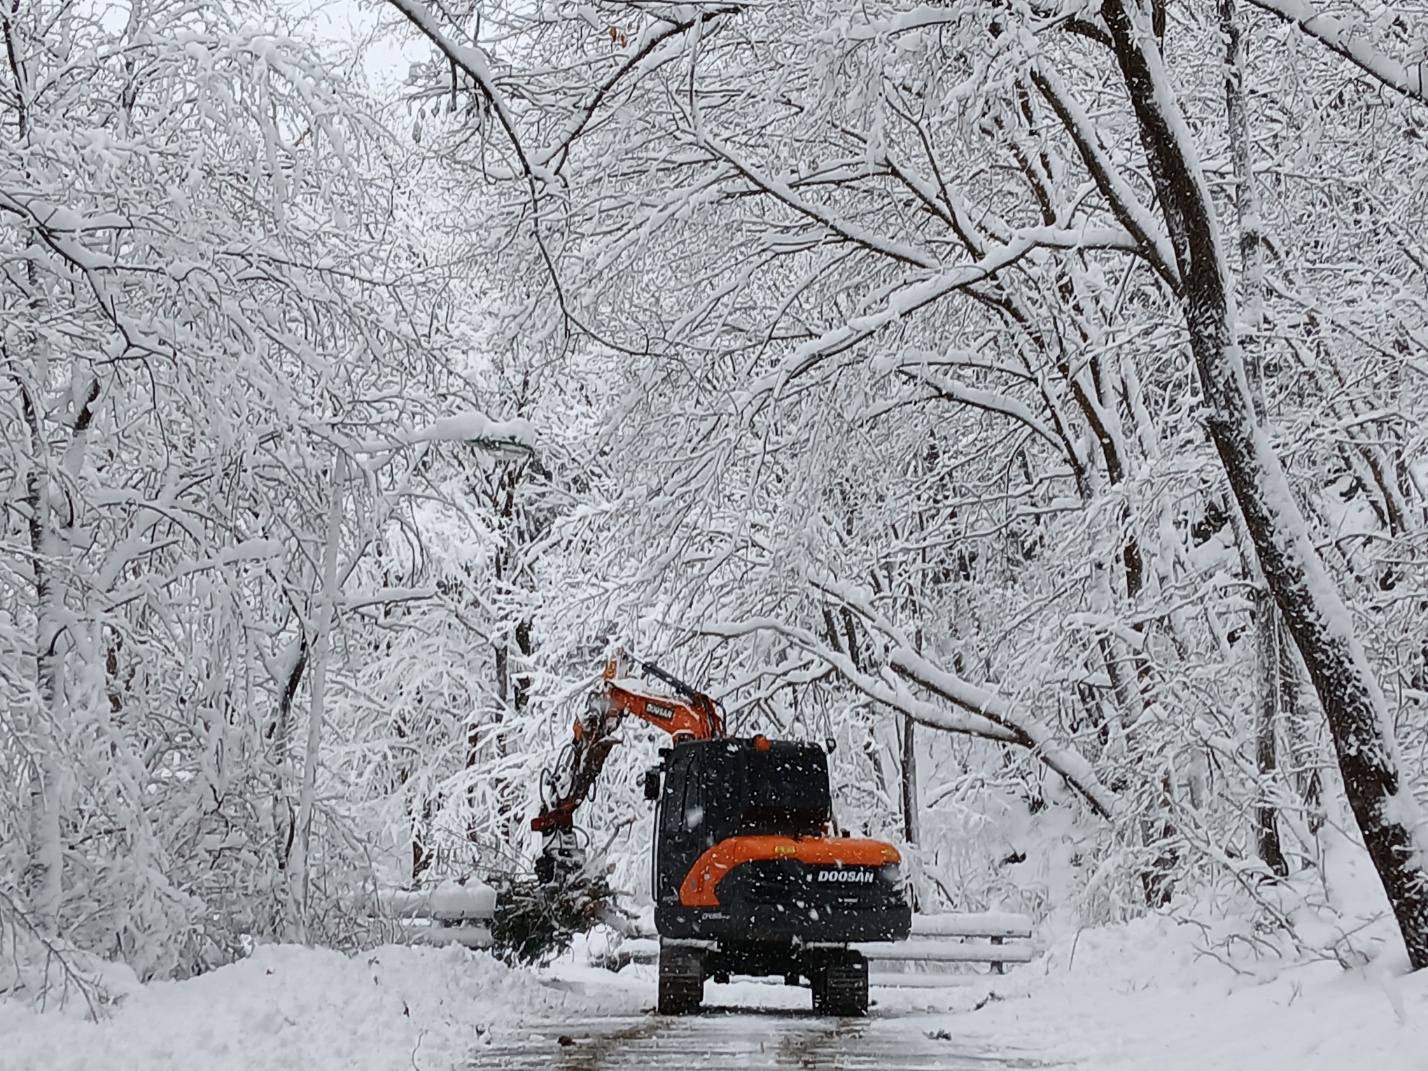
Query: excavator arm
x=689, y=714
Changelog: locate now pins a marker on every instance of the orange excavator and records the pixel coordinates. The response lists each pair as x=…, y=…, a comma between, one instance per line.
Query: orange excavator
x=748, y=878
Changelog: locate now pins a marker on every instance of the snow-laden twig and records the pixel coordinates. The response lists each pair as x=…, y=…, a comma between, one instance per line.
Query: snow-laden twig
x=1131, y=214
x=847, y=229
x=915, y=293
x=979, y=398
x=888, y=692
x=54, y=954
x=1350, y=40
x=1025, y=729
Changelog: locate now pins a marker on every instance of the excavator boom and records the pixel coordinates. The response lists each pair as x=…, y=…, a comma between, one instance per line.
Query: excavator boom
x=691, y=715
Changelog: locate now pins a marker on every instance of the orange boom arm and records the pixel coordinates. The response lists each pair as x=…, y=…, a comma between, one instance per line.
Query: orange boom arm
x=691, y=715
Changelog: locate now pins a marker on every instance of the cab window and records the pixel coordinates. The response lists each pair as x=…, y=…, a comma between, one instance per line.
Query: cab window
x=672, y=815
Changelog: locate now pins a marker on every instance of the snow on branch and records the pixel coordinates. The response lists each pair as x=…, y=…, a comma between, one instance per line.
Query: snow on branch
x=1126, y=207
x=651, y=50
x=474, y=428
x=477, y=427
x=980, y=711
x=848, y=230
x=1026, y=730
x=474, y=62
x=890, y=693
x=921, y=17
x=1030, y=732
x=977, y=398
x=1350, y=40
x=928, y=289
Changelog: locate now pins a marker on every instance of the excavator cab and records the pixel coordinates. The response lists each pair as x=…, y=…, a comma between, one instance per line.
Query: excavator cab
x=726, y=788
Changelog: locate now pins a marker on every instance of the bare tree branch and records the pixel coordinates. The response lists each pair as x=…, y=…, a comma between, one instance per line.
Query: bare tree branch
x=1128, y=210
x=880, y=690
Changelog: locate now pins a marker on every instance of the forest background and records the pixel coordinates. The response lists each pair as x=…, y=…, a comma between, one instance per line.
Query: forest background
x=1029, y=399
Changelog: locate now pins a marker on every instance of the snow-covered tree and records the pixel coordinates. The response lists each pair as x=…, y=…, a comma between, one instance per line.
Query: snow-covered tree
x=922, y=318
x=213, y=335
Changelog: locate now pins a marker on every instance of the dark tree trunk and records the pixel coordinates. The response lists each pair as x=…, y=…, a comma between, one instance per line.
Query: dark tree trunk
x=909, y=781
x=521, y=682
x=1268, y=658
x=1313, y=612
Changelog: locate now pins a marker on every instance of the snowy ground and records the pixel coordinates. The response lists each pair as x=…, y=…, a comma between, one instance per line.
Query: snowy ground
x=1146, y=996
x=1139, y=996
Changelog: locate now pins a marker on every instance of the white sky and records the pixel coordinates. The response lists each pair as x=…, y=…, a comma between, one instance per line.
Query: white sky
x=345, y=22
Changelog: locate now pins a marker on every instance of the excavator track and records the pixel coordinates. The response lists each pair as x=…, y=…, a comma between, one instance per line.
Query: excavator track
x=681, y=979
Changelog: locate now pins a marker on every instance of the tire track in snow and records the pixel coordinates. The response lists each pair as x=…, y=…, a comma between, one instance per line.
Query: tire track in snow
x=735, y=1041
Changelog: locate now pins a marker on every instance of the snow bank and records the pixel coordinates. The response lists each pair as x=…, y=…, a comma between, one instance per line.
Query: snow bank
x=299, y=1008
x=1133, y=997
x=1146, y=994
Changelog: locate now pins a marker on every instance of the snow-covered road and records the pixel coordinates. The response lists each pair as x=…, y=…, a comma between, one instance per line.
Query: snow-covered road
x=726, y=1040
x=1142, y=995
